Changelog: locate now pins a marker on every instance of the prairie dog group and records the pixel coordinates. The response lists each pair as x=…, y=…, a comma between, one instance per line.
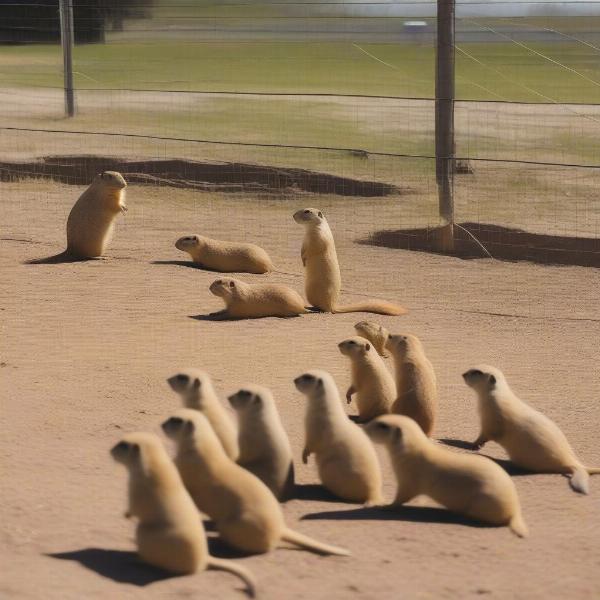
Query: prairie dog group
x=372, y=383
x=323, y=280
x=169, y=533
x=470, y=485
x=264, y=445
x=346, y=460
x=244, y=510
x=416, y=385
x=226, y=257
x=531, y=439
x=253, y=301
x=197, y=392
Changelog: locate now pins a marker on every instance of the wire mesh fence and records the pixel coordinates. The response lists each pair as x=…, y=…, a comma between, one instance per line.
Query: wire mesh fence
x=289, y=97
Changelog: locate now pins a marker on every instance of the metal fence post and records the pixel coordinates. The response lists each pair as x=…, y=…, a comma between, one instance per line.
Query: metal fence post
x=66, y=37
x=444, y=120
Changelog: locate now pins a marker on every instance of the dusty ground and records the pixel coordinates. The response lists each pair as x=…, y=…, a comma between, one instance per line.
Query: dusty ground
x=86, y=349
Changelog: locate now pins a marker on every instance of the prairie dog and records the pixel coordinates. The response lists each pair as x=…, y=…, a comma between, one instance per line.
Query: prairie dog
x=531, y=439
x=197, y=392
x=346, y=460
x=323, y=281
x=91, y=220
x=244, y=510
x=169, y=533
x=251, y=301
x=372, y=383
x=374, y=332
x=264, y=445
x=416, y=385
x=227, y=257
x=474, y=486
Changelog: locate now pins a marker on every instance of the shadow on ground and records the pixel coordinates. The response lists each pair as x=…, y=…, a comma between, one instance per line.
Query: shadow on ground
x=119, y=565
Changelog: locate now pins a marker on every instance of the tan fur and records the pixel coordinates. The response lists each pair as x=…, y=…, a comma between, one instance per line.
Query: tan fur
x=264, y=445
x=469, y=485
x=227, y=257
x=323, y=281
x=372, y=383
x=169, y=533
x=246, y=301
x=244, y=510
x=198, y=393
x=91, y=220
x=531, y=439
x=374, y=332
x=415, y=381
x=346, y=460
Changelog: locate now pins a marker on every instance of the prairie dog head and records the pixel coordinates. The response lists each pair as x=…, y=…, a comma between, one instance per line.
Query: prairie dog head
x=226, y=288
x=112, y=179
x=188, y=242
x=369, y=329
x=315, y=384
x=309, y=216
x=187, y=427
x=251, y=400
x=356, y=348
x=399, y=434
x=137, y=451
x=194, y=386
x=400, y=344
x=484, y=379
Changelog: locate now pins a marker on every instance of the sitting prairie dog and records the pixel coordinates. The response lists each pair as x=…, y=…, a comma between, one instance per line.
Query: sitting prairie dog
x=531, y=439
x=169, y=533
x=227, y=257
x=346, y=460
x=374, y=332
x=323, y=281
x=416, y=385
x=372, y=383
x=264, y=445
x=197, y=392
x=91, y=221
x=244, y=510
x=252, y=301
x=474, y=486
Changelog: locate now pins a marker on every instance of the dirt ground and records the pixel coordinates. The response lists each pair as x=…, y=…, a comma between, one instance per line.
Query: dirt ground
x=86, y=348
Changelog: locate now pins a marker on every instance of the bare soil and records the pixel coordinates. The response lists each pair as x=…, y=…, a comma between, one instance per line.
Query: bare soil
x=86, y=348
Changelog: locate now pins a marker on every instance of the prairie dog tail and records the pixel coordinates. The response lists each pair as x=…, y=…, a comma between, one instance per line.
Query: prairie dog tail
x=518, y=526
x=580, y=479
x=241, y=572
x=379, y=307
x=593, y=470
x=299, y=539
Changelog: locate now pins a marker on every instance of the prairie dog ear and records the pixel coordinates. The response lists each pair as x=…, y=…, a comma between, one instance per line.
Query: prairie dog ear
x=189, y=427
x=231, y=284
x=367, y=347
x=256, y=400
x=492, y=379
x=134, y=450
x=320, y=214
x=196, y=383
x=397, y=435
x=320, y=384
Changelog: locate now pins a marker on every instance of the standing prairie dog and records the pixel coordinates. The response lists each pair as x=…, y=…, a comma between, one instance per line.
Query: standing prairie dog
x=372, y=383
x=264, y=445
x=197, y=392
x=374, y=332
x=416, y=385
x=531, y=439
x=346, y=460
x=470, y=485
x=169, y=533
x=227, y=257
x=244, y=510
x=252, y=301
x=323, y=281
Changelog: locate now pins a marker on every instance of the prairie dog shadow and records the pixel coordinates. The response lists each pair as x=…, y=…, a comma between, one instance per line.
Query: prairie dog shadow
x=219, y=317
x=119, y=565
x=313, y=491
x=183, y=263
x=507, y=465
x=56, y=259
x=414, y=514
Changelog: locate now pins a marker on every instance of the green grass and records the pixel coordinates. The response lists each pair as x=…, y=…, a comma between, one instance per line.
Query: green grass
x=510, y=72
